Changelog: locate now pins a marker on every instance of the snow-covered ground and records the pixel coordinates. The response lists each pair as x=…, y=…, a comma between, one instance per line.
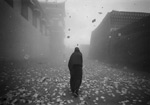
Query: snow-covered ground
x=40, y=84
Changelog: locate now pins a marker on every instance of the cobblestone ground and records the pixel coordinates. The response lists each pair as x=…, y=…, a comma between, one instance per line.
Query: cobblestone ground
x=40, y=84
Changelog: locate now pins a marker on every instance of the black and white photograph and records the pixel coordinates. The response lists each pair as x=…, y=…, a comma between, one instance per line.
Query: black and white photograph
x=74, y=52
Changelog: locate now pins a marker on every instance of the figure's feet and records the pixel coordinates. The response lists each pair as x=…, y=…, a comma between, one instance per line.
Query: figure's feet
x=75, y=93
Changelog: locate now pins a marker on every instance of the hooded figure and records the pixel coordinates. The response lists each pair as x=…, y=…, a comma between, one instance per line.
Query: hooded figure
x=75, y=66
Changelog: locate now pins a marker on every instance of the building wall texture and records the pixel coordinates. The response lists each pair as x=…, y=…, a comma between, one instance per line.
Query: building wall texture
x=19, y=39
x=126, y=45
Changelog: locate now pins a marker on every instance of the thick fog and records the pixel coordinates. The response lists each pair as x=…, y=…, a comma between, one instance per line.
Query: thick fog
x=74, y=52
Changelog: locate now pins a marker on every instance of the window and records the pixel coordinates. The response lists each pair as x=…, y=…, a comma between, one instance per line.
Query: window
x=10, y=2
x=24, y=9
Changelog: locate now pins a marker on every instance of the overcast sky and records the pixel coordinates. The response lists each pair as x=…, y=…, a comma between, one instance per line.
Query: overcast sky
x=80, y=13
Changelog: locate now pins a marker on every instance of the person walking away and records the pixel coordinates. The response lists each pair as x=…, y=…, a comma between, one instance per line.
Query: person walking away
x=75, y=67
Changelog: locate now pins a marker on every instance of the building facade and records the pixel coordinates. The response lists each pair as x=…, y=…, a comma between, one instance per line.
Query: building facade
x=109, y=36
x=119, y=19
x=130, y=45
x=25, y=33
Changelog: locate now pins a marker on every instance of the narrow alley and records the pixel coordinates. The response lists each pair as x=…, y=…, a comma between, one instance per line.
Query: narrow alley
x=37, y=38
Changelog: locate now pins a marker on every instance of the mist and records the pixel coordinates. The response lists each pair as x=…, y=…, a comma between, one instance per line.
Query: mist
x=50, y=47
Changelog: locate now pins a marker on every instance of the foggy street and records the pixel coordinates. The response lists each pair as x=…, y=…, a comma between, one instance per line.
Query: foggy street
x=74, y=52
x=40, y=84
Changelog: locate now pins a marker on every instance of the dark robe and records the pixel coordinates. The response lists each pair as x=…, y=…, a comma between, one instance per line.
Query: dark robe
x=75, y=67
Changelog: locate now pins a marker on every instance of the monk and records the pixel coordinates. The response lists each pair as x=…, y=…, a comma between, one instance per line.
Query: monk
x=75, y=67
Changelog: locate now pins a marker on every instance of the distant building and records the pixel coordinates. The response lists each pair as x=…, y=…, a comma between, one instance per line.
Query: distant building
x=55, y=13
x=104, y=38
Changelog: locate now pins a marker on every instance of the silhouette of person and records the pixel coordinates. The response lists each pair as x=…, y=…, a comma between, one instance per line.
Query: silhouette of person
x=75, y=66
